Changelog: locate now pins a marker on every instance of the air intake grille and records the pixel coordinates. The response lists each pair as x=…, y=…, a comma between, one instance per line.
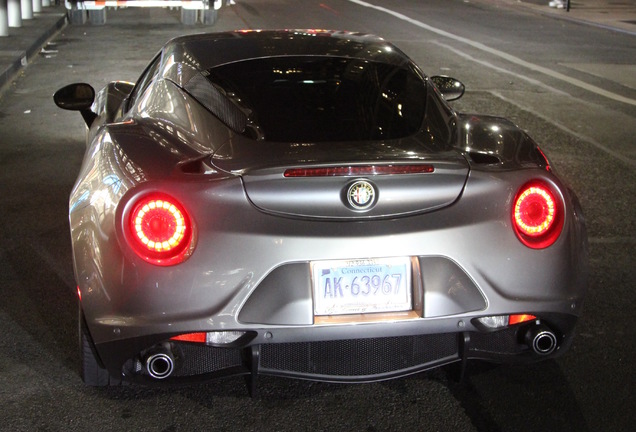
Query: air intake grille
x=358, y=357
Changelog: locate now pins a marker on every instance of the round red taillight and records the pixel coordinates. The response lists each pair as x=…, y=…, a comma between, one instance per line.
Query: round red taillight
x=161, y=230
x=537, y=215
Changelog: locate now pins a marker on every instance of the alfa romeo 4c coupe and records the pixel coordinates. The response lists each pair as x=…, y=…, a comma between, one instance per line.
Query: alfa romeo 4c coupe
x=307, y=204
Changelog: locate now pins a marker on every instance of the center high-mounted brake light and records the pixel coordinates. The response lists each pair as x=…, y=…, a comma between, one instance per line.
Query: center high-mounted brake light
x=357, y=170
x=537, y=215
x=161, y=230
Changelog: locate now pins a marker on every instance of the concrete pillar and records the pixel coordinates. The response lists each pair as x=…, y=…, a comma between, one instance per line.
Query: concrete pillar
x=15, y=15
x=27, y=9
x=4, y=19
x=37, y=6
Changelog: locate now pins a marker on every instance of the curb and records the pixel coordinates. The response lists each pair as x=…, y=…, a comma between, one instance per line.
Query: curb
x=22, y=57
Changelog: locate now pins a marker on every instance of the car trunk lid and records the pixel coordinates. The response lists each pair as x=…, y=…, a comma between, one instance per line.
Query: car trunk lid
x=347, y=180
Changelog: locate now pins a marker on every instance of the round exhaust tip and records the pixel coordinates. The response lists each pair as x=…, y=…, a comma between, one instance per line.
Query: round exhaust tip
x=160, y=365
x=541, y=339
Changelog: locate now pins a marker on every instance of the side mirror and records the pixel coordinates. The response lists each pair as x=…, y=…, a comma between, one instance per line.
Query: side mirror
x=77, y=97
x=450, y=88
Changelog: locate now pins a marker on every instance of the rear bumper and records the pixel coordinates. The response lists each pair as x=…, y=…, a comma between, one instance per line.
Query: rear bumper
x=301, y=353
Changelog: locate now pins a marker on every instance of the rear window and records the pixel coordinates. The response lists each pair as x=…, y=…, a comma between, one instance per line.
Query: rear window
x=317, y=99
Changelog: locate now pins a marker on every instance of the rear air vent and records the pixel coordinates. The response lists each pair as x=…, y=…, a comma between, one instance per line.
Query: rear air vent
x=484, y=158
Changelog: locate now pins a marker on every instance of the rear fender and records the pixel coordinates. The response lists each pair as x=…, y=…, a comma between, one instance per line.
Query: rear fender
x=495, y=142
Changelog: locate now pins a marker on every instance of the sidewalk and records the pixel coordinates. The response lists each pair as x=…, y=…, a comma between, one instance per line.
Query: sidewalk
x=618, y=15
x=17, y=49
x=25, y=42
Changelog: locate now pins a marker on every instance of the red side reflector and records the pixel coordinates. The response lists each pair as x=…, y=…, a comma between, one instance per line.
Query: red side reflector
x=190, y=337
x=520, y=318
x=545, y=160
x=356, y=170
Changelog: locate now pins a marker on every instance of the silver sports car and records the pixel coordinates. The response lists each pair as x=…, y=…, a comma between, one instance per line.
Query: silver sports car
x=305, y=203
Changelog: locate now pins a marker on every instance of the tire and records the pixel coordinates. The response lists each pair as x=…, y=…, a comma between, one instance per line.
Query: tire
x=92, y=373
x=77, y=16
x=97, y=17
x=209, y=16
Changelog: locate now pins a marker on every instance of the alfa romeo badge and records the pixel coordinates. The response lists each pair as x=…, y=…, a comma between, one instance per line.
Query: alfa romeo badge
x=361, y=195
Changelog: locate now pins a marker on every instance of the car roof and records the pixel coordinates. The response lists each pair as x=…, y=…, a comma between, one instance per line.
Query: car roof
x=187, y=55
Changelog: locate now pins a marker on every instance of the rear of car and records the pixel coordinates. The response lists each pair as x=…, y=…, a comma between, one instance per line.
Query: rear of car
x=317, y=214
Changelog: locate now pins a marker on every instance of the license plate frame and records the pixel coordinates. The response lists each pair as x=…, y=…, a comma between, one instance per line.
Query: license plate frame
x=362, y=286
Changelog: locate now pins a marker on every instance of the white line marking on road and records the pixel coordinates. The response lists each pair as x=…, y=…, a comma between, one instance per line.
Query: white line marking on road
x=501, y=70
x=565, y=129
x=501, y=54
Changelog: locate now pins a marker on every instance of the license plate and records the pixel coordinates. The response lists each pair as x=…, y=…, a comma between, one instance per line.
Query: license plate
x=362, y=286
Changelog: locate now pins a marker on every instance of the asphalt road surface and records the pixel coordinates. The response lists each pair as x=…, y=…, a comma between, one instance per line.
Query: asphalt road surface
x=573, y=87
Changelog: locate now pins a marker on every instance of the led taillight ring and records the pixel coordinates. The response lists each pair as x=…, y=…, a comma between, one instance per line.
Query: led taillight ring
x=535, y=211
x=537, y=215
x=160, y=229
